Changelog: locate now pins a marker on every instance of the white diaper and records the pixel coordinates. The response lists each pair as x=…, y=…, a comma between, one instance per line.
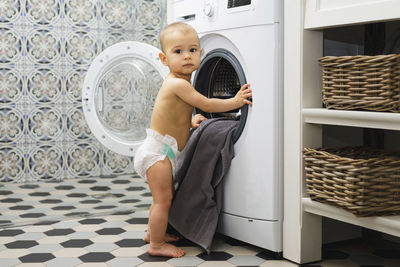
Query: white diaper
x=155, y=148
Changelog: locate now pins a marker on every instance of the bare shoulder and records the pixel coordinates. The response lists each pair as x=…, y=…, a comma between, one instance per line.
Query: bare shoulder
x=176, y=83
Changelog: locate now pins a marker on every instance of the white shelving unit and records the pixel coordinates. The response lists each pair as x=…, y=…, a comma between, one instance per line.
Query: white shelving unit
x=328, y=13
x=365, y=119
x=304, y=117
x=385, y=224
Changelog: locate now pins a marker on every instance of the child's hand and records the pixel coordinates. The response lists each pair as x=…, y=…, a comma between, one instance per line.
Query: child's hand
x=243, y=95
x=196, y=120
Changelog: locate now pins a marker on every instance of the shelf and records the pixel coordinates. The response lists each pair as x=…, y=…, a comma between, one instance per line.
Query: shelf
x=385, y=224
x=323, y=13
x=365, y=119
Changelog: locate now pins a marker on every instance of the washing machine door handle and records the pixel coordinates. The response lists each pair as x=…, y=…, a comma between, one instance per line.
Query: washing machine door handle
x=118, y=94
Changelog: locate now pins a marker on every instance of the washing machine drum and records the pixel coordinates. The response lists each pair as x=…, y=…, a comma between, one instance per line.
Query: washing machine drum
x=220, y=75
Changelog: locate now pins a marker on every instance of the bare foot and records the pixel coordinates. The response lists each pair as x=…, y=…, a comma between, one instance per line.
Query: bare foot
x=167, y=238
x=165, y=250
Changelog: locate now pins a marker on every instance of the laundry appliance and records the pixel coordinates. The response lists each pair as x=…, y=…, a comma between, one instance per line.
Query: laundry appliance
x=241, y=42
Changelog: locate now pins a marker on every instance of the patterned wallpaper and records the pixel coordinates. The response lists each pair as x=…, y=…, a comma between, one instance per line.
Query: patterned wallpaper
x=46, y=47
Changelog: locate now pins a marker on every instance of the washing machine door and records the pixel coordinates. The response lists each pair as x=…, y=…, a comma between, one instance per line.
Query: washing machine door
x=220, y=75
x=118, y=94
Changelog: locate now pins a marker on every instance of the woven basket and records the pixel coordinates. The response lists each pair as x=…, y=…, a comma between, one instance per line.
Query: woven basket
x=363, y=181
x=361, y=82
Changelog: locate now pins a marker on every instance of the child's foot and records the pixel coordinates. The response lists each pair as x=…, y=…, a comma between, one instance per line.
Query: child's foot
x=167, y=238
x=165, y=250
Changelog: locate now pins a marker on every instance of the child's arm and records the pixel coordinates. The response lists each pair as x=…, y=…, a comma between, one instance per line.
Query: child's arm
x=187, y=93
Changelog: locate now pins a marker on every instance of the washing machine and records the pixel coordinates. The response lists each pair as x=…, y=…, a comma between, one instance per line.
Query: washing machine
x=241, y=42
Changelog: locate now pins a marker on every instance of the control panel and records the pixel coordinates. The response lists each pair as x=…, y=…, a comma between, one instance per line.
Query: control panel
x=211, y=15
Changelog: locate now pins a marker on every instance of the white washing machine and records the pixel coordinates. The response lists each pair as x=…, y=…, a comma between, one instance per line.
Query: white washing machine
x=241, y=42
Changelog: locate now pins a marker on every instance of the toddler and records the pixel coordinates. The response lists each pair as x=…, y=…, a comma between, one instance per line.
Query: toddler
x=171, y=121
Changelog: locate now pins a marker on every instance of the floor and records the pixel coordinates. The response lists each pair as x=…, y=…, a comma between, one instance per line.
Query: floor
x=101, y=222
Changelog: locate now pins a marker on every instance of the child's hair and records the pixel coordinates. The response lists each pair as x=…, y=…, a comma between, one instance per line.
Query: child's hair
x=175, y=26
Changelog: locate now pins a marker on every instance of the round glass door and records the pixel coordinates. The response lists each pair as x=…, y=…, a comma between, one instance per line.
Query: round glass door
x=118, y=95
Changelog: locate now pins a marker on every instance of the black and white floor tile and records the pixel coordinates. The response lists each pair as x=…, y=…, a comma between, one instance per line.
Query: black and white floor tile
x=107, y=225
x=27, y=203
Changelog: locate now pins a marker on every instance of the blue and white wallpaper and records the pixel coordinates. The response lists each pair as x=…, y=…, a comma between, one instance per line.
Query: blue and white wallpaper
x=46, y=47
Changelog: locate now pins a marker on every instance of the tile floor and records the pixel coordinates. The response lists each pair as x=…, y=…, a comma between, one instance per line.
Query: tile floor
x=101, y=222
x=35, y=202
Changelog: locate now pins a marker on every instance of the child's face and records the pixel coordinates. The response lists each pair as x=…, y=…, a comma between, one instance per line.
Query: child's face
x=182, y=52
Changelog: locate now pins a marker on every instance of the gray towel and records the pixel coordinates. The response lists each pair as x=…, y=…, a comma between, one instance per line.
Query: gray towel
x=200, y=168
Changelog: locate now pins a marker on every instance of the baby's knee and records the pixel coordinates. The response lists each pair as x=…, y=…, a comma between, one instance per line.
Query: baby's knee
x=164, y=202
x=167, y=204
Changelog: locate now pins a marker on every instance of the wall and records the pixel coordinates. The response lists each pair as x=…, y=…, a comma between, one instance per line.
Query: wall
x=46, y=47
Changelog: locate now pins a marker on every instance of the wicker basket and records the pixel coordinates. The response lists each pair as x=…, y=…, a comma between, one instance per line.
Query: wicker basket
x=361, y=82
x=363, y=181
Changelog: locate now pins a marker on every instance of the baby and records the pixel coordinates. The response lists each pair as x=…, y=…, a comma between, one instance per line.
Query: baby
x=171, y=121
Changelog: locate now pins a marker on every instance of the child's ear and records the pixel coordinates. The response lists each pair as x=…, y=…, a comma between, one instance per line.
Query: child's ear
x=163, y=58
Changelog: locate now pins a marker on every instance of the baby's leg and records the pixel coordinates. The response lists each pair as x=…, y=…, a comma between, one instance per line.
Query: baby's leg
x=159, y=177
x=167, y=238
